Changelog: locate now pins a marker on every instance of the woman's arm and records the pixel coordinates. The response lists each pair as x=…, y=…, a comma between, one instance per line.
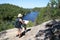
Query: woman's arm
x=21, y=21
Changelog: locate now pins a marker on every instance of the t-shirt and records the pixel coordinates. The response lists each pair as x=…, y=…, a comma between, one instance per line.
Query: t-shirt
x=20, y=19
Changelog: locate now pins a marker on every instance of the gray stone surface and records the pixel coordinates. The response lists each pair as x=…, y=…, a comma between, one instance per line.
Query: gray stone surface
x=30, y=35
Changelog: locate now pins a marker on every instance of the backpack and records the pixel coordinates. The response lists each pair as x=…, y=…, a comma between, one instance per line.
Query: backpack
x=17, y=22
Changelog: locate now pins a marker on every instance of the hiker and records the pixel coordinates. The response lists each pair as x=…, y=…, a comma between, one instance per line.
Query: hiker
x=18, y=25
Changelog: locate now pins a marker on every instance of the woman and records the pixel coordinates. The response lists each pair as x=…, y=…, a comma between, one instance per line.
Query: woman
x=18, y=24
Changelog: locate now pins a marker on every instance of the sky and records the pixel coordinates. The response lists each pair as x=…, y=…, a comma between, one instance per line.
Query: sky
x=26, y=3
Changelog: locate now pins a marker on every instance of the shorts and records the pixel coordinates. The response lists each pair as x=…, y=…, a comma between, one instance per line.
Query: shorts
x=18, y=26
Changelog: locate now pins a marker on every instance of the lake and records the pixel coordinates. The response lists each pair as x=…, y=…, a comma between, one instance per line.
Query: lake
x=31, y=16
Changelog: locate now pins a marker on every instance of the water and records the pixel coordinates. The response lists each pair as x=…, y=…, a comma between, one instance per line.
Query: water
x=31, y=16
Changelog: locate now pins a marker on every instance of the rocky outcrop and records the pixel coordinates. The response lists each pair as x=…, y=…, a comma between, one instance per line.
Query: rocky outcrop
x=51, y=33
x=40, y=32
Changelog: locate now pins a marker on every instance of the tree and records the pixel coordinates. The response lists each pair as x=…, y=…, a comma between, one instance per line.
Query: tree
x=8, y=13
x=58, y=3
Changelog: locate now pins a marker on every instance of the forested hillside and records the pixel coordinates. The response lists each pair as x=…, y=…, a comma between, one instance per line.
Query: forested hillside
x=50, y=12
x=8, y=13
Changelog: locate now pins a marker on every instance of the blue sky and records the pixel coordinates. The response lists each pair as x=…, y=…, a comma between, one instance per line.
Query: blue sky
x=26, y=3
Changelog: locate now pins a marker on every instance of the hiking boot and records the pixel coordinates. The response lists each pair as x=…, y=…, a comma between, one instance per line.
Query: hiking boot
x=17, y=35
x=20, y=36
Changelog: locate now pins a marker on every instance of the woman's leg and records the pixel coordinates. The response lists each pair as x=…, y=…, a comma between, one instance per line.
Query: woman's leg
x=17, y=32
x=20, y=31
x=24, y=26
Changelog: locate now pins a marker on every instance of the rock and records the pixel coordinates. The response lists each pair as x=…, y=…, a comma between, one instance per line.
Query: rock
x=40, y=32
x=51, y=33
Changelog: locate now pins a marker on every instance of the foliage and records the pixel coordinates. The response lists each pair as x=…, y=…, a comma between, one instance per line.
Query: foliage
x=42, y=16
x=51, y=11
x=30, y=24
x=8, y=13
x=36, y=9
